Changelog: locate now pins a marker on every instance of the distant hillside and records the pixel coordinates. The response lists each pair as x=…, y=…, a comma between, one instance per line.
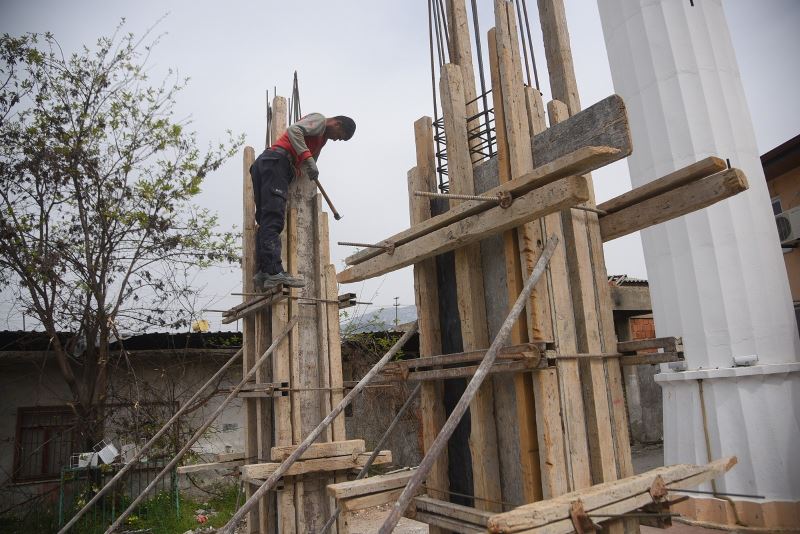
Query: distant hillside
x=380, y=320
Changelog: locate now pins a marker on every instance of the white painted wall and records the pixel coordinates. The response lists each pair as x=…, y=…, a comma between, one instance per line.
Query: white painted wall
x=716, y=276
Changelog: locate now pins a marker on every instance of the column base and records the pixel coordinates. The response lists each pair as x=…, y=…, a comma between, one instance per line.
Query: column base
x=773, y=516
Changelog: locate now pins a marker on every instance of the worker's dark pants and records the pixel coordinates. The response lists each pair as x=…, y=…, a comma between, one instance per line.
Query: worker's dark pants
x=271, y=174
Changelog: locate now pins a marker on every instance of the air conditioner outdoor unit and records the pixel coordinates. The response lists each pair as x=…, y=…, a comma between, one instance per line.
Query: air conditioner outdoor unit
x=788, y=226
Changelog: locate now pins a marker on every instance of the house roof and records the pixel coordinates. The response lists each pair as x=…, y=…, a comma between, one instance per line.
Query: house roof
x=782, y=158
x=18, y=340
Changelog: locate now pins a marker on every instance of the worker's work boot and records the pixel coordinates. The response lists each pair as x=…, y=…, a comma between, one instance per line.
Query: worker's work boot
x=283, y=278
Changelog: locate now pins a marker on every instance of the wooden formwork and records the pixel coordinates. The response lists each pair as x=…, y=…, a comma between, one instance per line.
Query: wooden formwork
x=537, y=428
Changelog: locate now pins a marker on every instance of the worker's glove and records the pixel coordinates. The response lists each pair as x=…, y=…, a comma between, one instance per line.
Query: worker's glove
x=310, y=167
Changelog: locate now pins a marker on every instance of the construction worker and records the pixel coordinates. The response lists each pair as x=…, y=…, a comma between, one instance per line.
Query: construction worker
x=295, y=152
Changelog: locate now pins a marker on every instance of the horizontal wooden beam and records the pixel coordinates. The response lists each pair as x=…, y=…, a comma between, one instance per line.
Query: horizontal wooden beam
x=580, y=161
x=372, y=500
x=512, y=352
x=672, y=204
x=196, y=468
x=474, y=516
x=317, y=465
x=365, y=486
x=551, y=198
x=617, y=497
x=447, y=523
x=514, y=366
x=688, y=174
x=320, y=450
x=651, y=358
x=673, y=344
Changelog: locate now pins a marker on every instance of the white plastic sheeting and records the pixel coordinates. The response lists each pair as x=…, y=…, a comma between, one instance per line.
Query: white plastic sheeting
x=717, y=276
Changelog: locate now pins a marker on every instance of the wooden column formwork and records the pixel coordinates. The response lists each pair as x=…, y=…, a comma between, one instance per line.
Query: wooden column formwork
x=307, y=362
x=568, y=421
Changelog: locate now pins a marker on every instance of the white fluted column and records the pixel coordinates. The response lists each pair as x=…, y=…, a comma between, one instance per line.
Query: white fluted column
x=717, y=276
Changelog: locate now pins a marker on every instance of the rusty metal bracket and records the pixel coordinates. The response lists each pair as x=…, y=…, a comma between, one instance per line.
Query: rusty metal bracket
x=505, y=199
x=580, y=520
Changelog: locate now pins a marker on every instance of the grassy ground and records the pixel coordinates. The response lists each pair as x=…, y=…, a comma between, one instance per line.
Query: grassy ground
x=156, y=515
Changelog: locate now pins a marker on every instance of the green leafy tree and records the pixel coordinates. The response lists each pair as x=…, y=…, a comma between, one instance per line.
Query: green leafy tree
x=97, y=184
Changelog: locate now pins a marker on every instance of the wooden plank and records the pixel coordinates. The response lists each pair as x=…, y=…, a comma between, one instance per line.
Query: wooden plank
x=615, y=497
x=581, y=267
x=456, y=511
x=670, y=344
x=448, y=523
x=372, y=500
x=690, y=173
x=229, y=456
x=335, y=353
x=469, y=283
x=517, y=243
x=375, y=484
x=513, y=352
x=320, y=450
x=548, y=199
x=460, y=50
x=322, y=255
x=426, y=294
x=468, y=371
x=196, y=468
x=579, y=161
x=316, y=465
x=674, y=203
x=248, y=323
x=652, y=358
x=257, y=306
x=281, y=359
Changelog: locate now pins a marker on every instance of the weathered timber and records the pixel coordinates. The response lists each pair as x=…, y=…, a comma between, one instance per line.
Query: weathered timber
x=254, y=305
x=464, y=372
x=553, y=197
x=469, y=284
x=448, y=523
x=690, y=173
x=463, y=403
x=426, y=294
x=315, y=465
x=651, y=358
x=674, y=203
x=365, y=486
x=615, y=497
x=579, y=161
x=513, y=352
x=320, y=450
x=196, y=468
x=455, y=511
x=672, y=344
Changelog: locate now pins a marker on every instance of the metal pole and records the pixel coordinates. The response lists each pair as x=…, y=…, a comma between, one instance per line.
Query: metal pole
x=376, y=451
x=200, y=431
x=230, y=526
x=469, y=393
x=147, y=445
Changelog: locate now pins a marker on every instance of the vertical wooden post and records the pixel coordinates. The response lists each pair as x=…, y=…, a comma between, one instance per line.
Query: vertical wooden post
x=248, y=323
x=529, y=445
x=471, y=306
x=609, y=445
x=461, y=55
x=426, y=292
x=281, y=359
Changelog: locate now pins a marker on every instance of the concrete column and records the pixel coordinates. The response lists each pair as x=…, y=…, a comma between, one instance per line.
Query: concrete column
x=716, y=276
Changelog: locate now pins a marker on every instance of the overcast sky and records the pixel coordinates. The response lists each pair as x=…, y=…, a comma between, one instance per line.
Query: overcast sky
x=370, y=60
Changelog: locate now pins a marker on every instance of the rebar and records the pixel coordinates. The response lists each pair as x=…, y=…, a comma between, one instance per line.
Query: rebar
x=453, y=196
x=363, y=245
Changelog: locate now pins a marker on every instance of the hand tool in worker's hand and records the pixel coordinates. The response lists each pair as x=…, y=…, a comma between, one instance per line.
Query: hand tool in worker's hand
x=328, y=200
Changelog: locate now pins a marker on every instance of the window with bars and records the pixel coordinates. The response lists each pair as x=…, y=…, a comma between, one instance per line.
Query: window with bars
x=46, y=438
